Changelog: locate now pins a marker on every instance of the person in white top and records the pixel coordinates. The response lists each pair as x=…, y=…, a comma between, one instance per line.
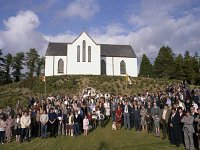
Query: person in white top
x=107, y=109
x=71, y=124
x=195, y=106
x=44, y=118
x=2, y=129
x=181, y=104
x=25, y=125
x=85, y=125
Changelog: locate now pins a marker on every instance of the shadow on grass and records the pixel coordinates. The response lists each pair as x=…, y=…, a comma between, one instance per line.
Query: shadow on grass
x=102, y=145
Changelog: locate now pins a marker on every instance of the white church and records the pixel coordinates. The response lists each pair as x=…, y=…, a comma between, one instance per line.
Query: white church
x=85, y=57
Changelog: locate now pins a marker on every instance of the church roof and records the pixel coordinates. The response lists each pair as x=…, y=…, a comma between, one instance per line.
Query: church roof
x=56, y=49
x=108, y=50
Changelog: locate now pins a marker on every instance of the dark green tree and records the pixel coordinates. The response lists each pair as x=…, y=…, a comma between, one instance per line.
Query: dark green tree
x=178, y=65
x=164, y=63
x=146, y=69
x=40, y=65
x=32, y=58
x=2, y=71
x=17, y=65
x=7, y=66
x=189, y=73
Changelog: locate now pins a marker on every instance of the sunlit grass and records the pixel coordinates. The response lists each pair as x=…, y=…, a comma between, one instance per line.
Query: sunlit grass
x=99, y=139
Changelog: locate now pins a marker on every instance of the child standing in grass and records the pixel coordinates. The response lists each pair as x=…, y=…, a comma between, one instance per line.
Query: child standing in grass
x=85, y=125
x=157, y=124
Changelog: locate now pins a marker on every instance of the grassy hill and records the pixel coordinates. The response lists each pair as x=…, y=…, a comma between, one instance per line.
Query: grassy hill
x=99, y=139
x=10, y=93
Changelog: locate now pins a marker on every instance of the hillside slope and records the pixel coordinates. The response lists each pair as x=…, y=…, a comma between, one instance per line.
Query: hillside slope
x=9, y=94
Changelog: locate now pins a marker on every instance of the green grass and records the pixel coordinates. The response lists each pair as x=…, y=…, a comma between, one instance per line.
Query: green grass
x=99, y=139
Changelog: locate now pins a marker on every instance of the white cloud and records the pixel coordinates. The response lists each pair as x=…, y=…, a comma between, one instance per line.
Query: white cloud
x=165, y=22
x=84, y=9
x=20, y=33
x=156, y=26
x=63, y=37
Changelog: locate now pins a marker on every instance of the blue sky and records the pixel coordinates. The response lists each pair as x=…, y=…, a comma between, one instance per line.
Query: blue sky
x=145, y=24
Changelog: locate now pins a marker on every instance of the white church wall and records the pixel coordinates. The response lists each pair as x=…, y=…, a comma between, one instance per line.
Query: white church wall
x=114, y=62
x=84, y=68
x=48, y=65
x=131, y=66
x=52, y=62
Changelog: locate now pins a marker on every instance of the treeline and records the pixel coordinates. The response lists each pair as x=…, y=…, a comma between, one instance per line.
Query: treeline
x=171, y=66
x=14, y=68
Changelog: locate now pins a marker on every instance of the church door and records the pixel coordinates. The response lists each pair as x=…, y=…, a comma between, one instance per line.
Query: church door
x=103, y=67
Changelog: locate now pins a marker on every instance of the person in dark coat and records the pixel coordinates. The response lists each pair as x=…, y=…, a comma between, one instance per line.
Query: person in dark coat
x=195, y=137
x=52, y=123
x=174, y=123
x=137, y=118
x=181, y=114
x=77, y=122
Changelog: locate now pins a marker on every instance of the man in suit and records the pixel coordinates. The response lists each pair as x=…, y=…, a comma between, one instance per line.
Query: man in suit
x=188, y=130
x=137, y=118
x=77, y=122
x=175, y=128
x=126, y=113
x=164, y=118
x=181, y=114
x=194, y=115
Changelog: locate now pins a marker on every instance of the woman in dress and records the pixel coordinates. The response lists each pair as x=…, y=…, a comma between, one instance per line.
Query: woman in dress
x=85, y=125
x=118, y=117
x=9, y=125
x=17, y=126
x=143, y=113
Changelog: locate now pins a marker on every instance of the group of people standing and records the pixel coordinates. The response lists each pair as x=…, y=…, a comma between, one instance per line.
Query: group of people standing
x=174, y=111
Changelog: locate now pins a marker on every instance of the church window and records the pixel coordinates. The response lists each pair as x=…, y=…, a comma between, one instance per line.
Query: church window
x=60, y=66
x=89, y=53
x=122, y=67
x=103, y=67
x=78, y=53
x=84, y=51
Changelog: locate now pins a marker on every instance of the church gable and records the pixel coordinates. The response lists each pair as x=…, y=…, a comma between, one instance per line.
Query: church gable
x=84, y=36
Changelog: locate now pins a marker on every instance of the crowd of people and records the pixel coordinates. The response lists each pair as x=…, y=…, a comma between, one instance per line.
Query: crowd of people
x=174, y=111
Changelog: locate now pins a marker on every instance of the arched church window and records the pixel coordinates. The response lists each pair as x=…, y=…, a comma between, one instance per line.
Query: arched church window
x=84, y=51
x=78, y=53
x=89, y=53
x=103, y=67
x=60, y=66
x=122, y=67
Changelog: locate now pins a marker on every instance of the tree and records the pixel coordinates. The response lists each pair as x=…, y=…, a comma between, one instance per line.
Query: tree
x=40, y=65
x=189, y=73
x=32, y=58
x=7, y=66
x=2, y=71
x=17, y=65
x=178, y=64
x=164, y=63
x=145, y=67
